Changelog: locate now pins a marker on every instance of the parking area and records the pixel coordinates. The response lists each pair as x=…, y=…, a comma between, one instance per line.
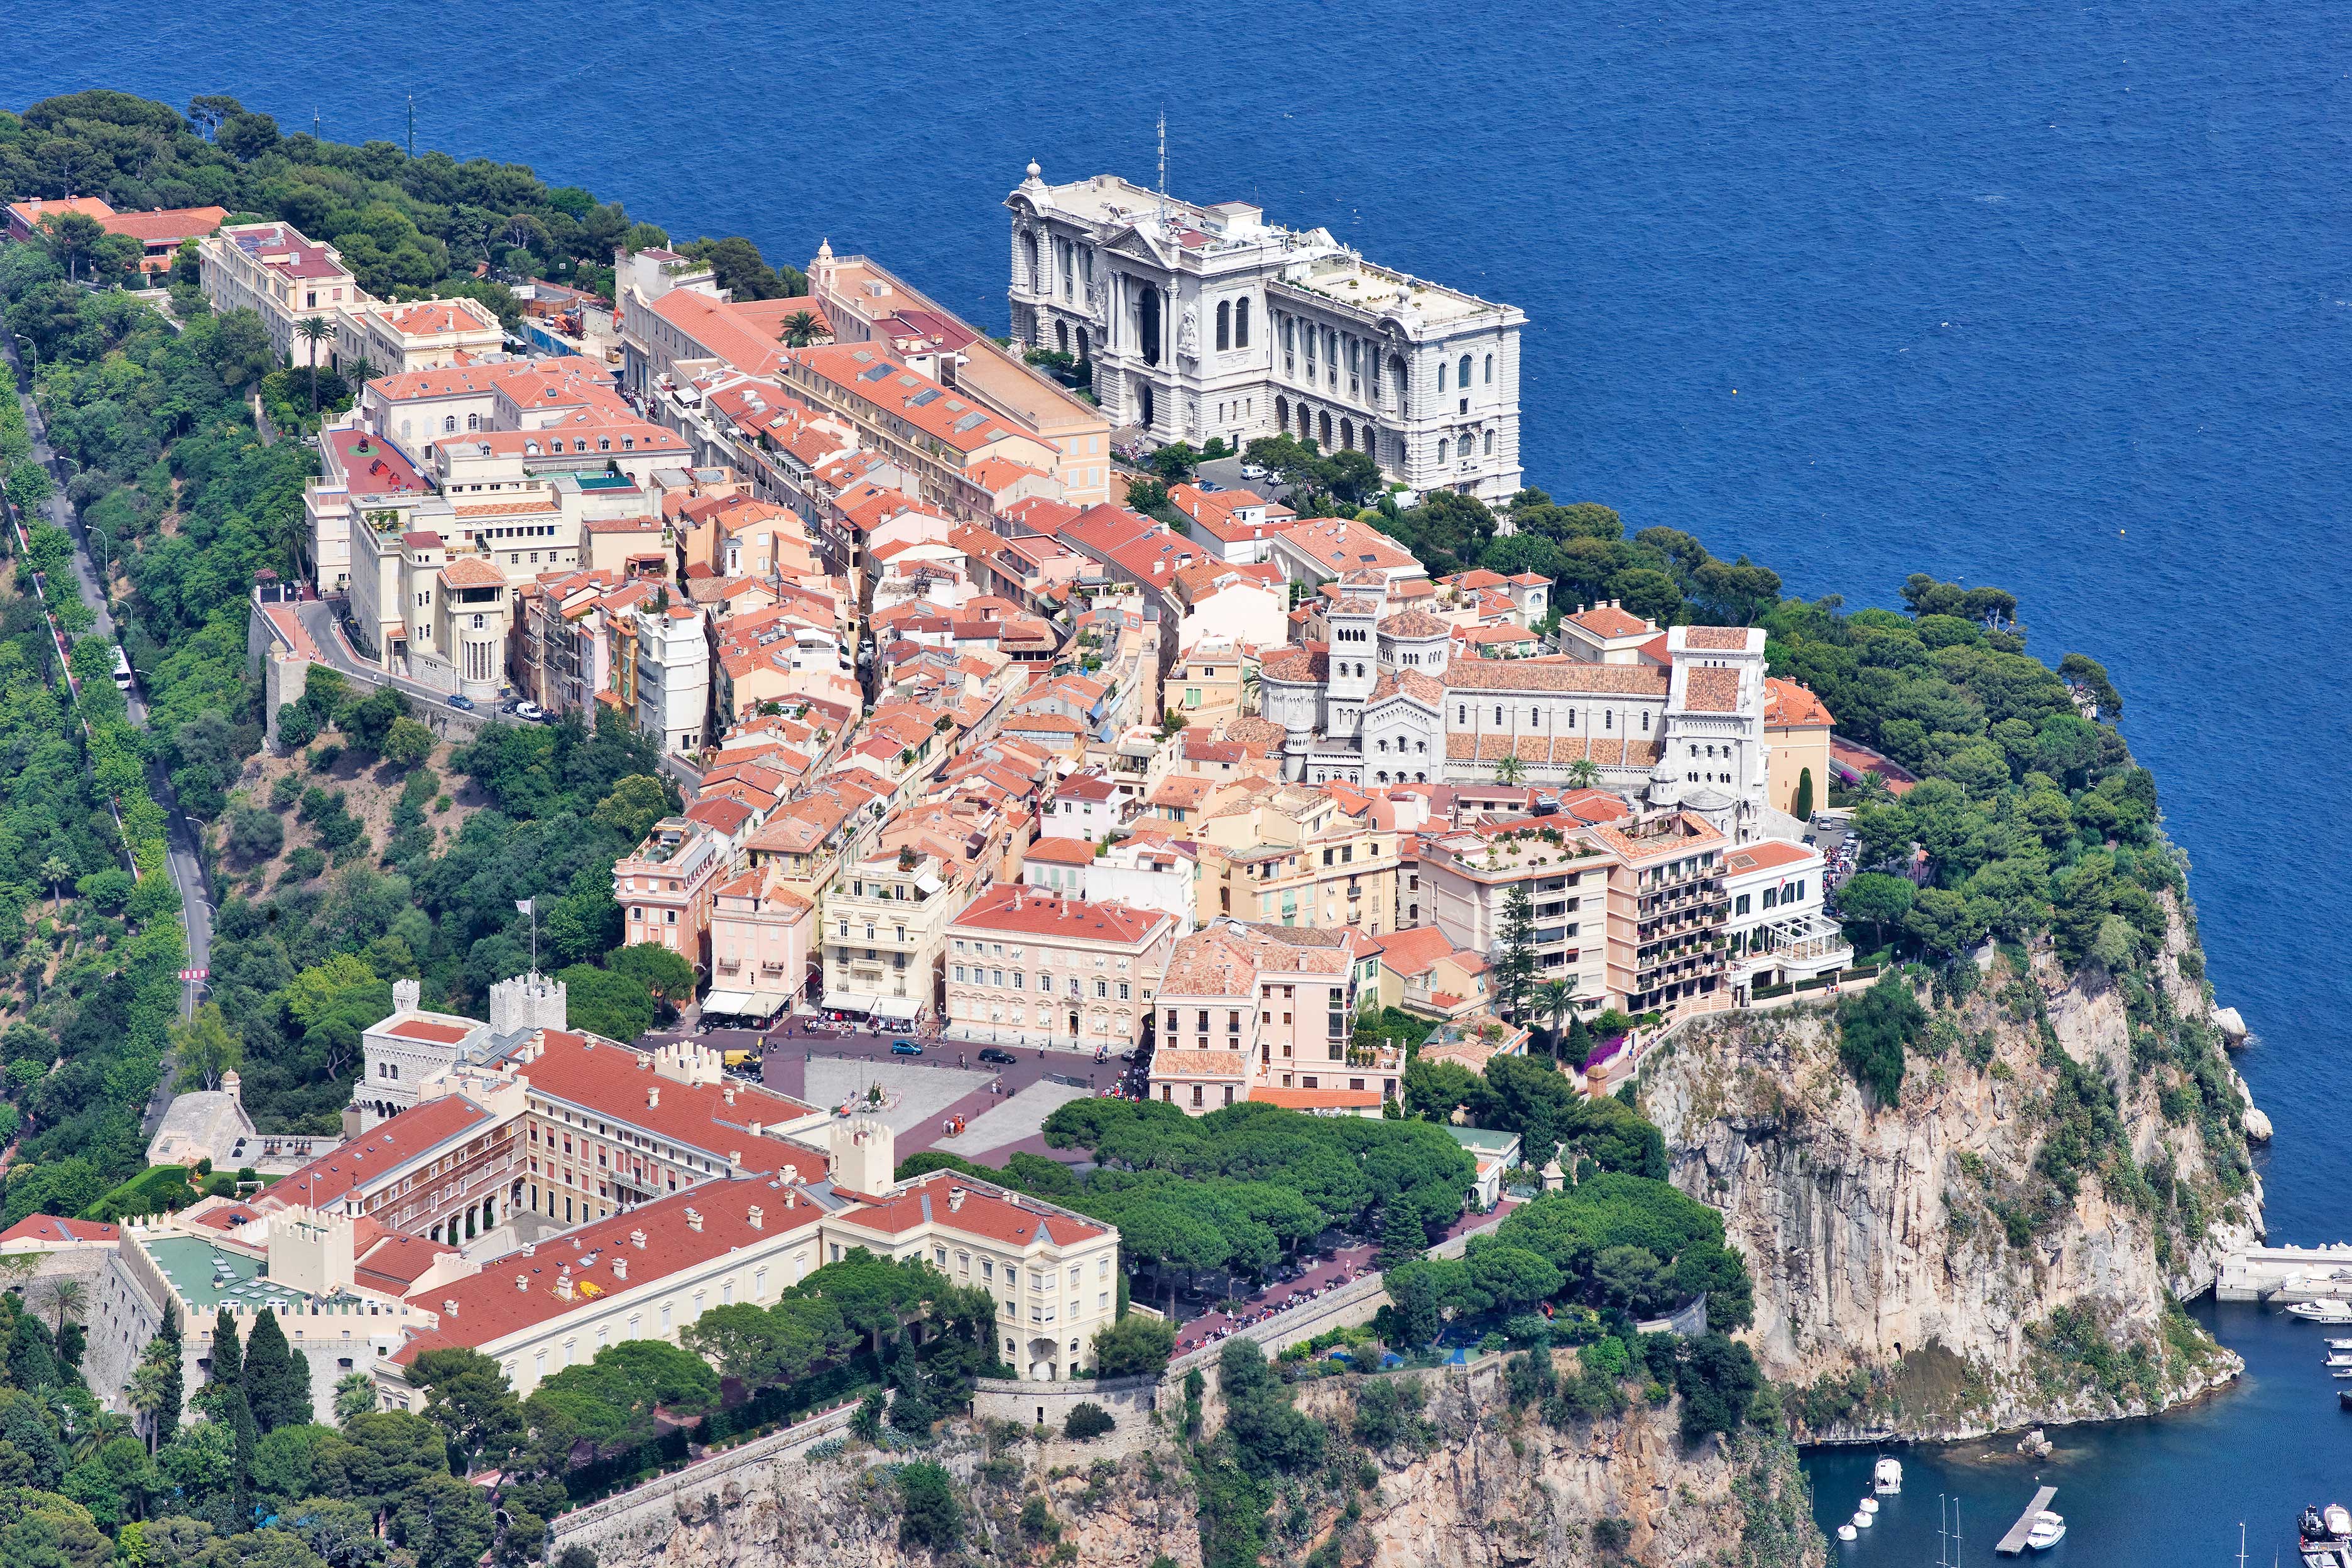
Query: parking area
x=1226, y=474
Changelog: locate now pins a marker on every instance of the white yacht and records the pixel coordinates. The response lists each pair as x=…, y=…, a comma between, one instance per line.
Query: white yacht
x=1886, y=1475
x=2048, y=1531
x=2321, y=1311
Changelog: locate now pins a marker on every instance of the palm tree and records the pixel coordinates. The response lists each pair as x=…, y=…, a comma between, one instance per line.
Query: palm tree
x=54, y=871
x=1509, y=769
x=1584, y=774
x=67, y=1296
x=354, y=1395
x=151, y=1393
x=314, y=330
x=1553, y=1000
x=802, y=328
x=361, y=370
x=1249, y=687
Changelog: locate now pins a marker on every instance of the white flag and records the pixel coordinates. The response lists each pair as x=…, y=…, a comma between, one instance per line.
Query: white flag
x=523, y=906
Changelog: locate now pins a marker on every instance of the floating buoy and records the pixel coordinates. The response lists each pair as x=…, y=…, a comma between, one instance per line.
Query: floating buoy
x=1847, y=1532
x=1870, y=1505
x=1862, y=1522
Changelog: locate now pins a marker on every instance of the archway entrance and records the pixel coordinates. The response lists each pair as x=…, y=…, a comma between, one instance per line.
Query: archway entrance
x=1147, y=313
x=1145, y=411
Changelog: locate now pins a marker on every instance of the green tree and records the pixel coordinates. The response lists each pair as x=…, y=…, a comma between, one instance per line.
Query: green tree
x=657, y=968
x=354, y=1395
x=314, y=330
x=206, y=1049
x=1874, y=1028
x=634, y=804
x=1803, y=805
x=1134, y=1346
x=1510, y=769
x=930, y=1514
x=277, y=1377
x=606, y=1004
x=1876, y=898
x=1175, y=462
x=1515, y=971
x=467, y=1397
x=407, y=743
x=802, y=328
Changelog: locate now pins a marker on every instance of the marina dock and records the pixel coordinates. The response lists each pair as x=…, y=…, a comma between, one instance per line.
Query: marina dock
x=2284, y=1274
x=2014, y=1543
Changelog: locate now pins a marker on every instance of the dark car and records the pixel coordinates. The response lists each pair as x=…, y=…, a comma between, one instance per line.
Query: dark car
x=456, y=701
x=996, y=1058
x=905, y=1048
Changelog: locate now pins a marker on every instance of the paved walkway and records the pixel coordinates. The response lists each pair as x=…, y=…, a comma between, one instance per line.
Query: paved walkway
x=925, y=1093
x=1011, y=1120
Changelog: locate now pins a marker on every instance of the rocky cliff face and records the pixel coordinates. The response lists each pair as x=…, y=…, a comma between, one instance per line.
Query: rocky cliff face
x=1475, y=1486
x=2001, y=1246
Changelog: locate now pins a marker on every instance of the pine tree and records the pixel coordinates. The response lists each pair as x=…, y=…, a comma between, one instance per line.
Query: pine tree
x=277, y=1376
x=248, y=1439
x=167, y=1353
x=1402, y=1236
x=1580, y=1040
x=228, y=1361
x=1515, y=971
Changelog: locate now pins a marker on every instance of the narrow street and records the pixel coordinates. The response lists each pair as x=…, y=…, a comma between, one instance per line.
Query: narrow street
x=181, y=856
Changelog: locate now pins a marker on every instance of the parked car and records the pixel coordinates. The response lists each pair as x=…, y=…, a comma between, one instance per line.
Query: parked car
x=905, y=1048
x=460, y=700
x=530, y=710
x=995, y=1056
x=1254, y=471
x=1208, y=487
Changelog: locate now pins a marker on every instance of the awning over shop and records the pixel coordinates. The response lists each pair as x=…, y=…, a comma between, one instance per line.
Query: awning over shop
x=849, y=1002
x=744, y=1004
x=901, y=1008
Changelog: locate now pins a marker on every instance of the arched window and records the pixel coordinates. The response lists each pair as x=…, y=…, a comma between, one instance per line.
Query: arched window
x=1323, y=427
x=473, y=421
x=1241, y=323
x=1490, y=369
x=1498, y=712
x=1029, y=261
x=1348, y=434
x=1062, y=336
x=1282, y=412
x=448, y=425
x=1084, y=354
x=1609, y=719
x=1490, y=443
x=1461, y=713
x=1462, y=374
x=1441, y=375
x=1441, y=448
x=1306, y=424
x=1535, y=717
x=1225, y=325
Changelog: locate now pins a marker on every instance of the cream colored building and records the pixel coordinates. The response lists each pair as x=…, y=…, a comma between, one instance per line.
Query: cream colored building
x=271, y=269
x=761, y=936
x=420, y=334
x=1292, y=857
x=866, y=303
x=1250, y=1011
x=1037, y=969
x=886, y=926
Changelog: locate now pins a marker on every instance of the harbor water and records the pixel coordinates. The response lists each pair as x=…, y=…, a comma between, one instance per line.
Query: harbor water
x=2056, y=297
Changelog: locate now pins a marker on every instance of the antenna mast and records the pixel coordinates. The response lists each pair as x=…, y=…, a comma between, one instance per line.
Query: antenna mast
x=411, y=125
x=1163, y=164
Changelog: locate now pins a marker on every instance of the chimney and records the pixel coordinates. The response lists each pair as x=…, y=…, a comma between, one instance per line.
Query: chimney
x=450, y=1306
x=728, y=1094
x=620, y=1268
x=563, y=1287
x=758, y=1217
x=792, y=1174
x=694, y=1219
x=521, y=1283
x=637, y=1239
x=955, y=1199
x=653, y=1097
x=755, y=1129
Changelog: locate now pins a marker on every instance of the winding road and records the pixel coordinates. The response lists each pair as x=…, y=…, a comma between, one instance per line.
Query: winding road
x=181, y=856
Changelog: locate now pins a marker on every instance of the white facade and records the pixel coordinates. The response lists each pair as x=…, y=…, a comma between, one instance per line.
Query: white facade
x=1209, y=321
x=673, y=676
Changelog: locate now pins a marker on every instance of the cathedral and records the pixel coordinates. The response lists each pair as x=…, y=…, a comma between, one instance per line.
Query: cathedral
x=1676, y=716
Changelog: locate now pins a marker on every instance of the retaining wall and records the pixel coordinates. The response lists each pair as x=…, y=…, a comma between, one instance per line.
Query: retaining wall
x=634, y=1520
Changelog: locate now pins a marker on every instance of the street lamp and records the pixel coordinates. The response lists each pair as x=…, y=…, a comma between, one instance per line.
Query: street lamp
x=91, y=528
x=37, y=353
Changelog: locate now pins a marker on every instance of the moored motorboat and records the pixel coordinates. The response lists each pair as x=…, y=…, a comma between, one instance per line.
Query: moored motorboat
x=2321, y=1311
x=1886, y=1475
x=2048, y=1531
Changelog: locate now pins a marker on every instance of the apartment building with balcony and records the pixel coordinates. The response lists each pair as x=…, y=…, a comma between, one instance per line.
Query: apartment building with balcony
x=762, y=934
x=1668, y=937
x=272, y=270
x=664, y=886
x=1026, y=967
x=1250, y=1011
x=885, y=927
x=419, y=334
x=1293, y=857
x=941, y=439
x=1467, y=876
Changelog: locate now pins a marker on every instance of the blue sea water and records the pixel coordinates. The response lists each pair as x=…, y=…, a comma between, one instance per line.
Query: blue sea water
x=2055, y=297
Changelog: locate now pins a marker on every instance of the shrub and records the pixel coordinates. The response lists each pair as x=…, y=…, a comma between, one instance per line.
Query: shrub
x=1086, y=1421
x=1874, y=1028
x=932, y=1517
